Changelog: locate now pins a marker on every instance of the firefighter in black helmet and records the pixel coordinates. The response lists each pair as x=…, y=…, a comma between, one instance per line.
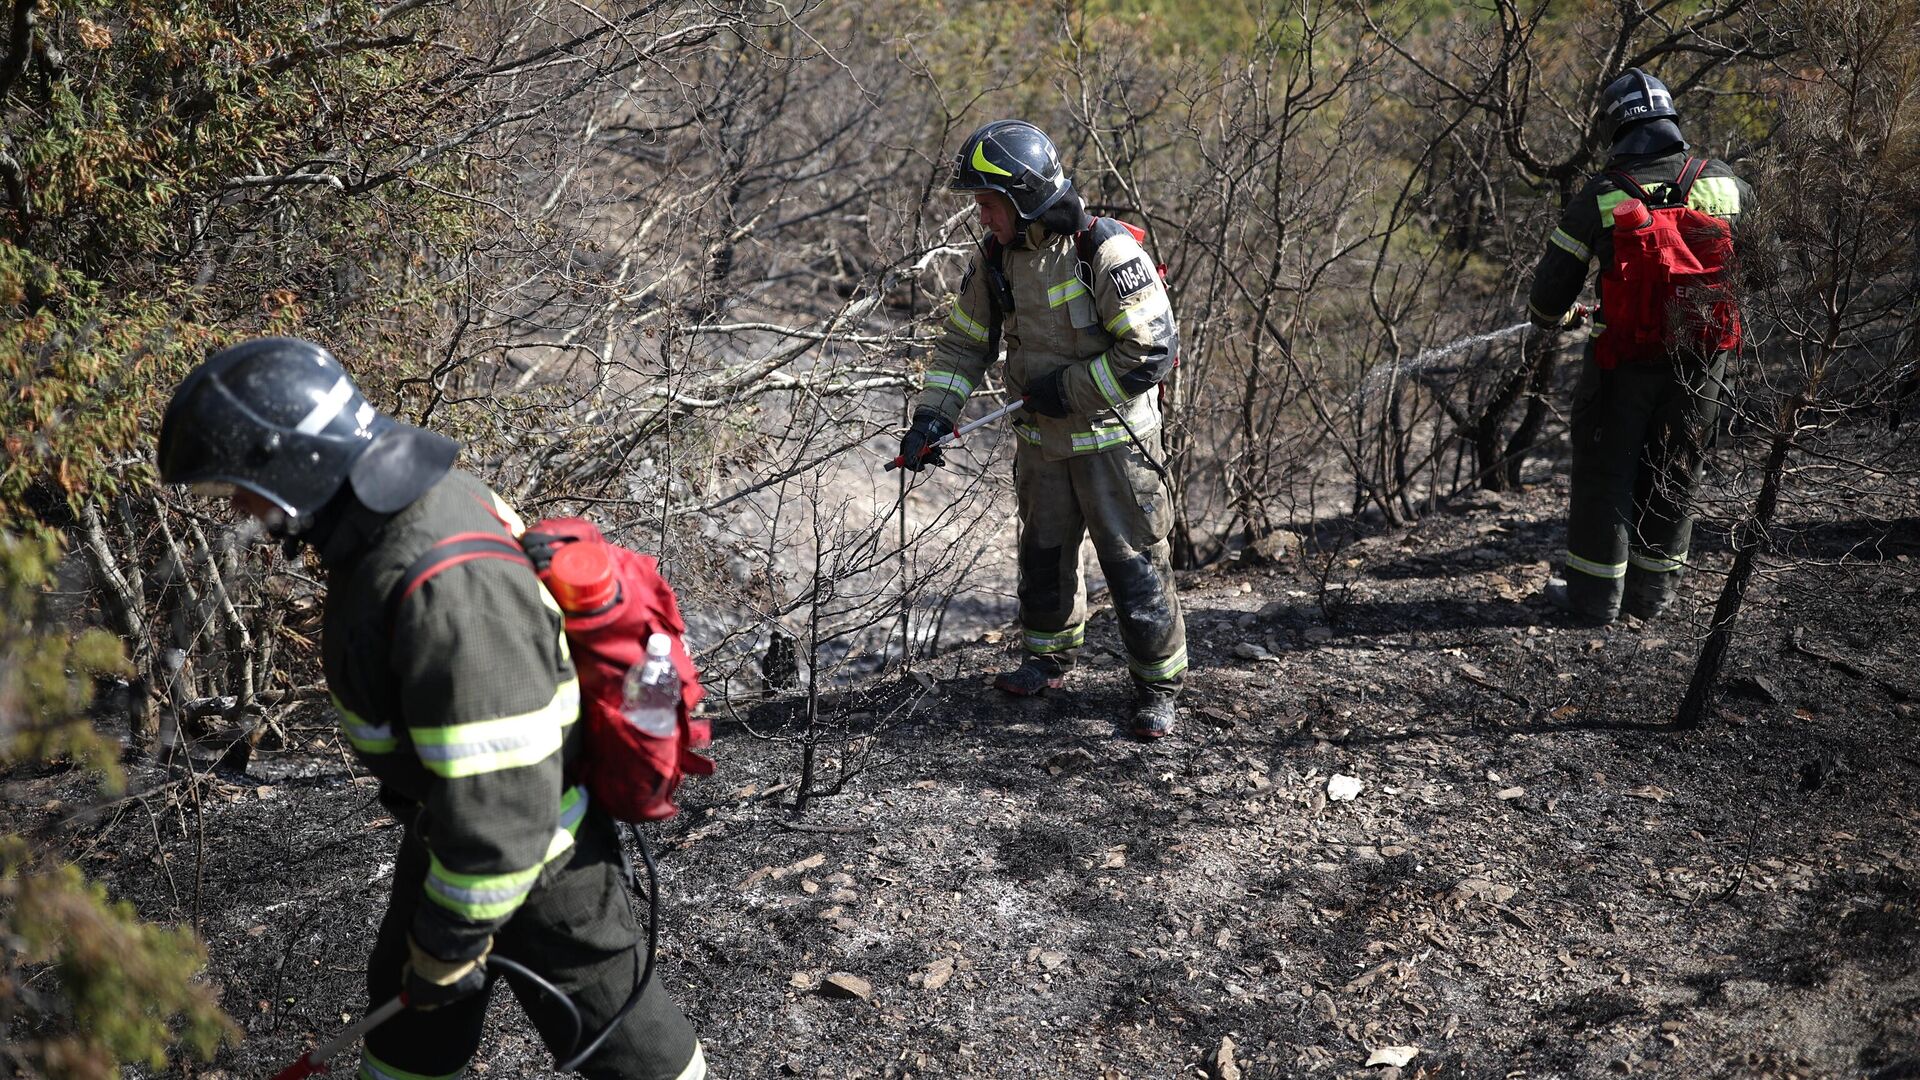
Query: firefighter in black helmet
x=1639, y=430
x=462, y=702
x=1089, y=336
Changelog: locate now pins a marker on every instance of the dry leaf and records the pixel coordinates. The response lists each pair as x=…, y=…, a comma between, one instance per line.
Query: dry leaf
x=1396, y=1056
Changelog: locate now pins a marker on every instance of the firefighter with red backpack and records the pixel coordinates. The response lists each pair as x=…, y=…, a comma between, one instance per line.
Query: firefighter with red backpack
x=1659, y=222
x=448, y=662
x=1089, y=336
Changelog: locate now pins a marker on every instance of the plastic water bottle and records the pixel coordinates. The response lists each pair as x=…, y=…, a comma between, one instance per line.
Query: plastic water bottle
x=650, y=697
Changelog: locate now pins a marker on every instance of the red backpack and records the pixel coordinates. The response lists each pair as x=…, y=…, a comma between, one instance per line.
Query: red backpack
x=1666, y=291
x=613, y=599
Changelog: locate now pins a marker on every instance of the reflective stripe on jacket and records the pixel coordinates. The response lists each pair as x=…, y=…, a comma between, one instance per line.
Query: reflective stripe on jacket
x=461, y=699
x=1117, y=340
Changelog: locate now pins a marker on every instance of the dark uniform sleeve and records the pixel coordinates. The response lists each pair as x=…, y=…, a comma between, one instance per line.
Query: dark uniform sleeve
x=1134, y=308
x=960, y=358
x=488, y=695
x=1562, y=272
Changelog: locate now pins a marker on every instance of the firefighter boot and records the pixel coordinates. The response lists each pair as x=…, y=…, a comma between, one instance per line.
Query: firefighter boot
x=1559, y=598
x=1036, y=675
x=1648, y=593
x=1153, y=716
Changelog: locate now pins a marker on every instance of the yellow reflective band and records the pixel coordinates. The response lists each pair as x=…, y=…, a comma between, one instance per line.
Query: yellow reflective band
x=1041, y=641
x=1596, y=569
x=372, y=1068
x=1120, y=323
x=491, y=896
x=1657, y=564
x=506, y=513
x=1162, y=671
x=1103, y=378
x=1098, y=439
x=965, y=324
x=509, y=742
x=1717, y=195
x=364, y=737
x=1065, y=291
x=980, y=161
x=949, y=381
x=1028, y=433
x=1564, y=240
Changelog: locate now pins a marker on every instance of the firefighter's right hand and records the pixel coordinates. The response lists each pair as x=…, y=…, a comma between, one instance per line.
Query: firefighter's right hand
x=1576, y=317
x=928, y=427
x=430, y=982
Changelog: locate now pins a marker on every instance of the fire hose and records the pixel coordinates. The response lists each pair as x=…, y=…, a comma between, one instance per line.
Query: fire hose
x=314, y=1062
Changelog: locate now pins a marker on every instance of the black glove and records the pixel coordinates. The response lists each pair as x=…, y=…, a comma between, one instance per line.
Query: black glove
x=1046, y=396
x=430, y=982
x=928, y=426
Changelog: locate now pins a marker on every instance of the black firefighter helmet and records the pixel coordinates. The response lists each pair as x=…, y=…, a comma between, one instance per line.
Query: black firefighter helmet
x=1015, y=159
x=1637, y=115
x=281, y=418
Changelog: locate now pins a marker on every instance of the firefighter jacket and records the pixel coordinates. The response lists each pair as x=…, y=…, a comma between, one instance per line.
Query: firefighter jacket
x=1109, y=324
x=460, y=698
x=1585, y=233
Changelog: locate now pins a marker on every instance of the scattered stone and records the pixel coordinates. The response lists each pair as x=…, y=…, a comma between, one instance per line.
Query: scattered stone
x=1069, y=762
x=1052, y=959
x=1273, y=609
x=1509, y=794
x=809, y=886
x=1479, y=888
x=1224, y=1067
x=1343, y=788
x=1247, y=650
x=1277, y=545
x=1318, y=634
x=800, y=980
x=843, y=984
x=1756, y=686
x=1395, y=1056
x=937, y=974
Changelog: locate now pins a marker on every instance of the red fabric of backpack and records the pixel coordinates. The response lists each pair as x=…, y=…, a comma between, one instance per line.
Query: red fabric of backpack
x=1666, y=292
x=613, y=599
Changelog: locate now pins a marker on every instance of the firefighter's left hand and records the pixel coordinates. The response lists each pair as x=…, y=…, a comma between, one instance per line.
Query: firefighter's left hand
x=1576, y=317
x=430, y=982
x=1046, y=395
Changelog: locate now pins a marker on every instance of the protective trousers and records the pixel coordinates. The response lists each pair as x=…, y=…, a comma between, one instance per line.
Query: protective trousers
x=575, y=930
x=1118, y=499
x=1640, y=435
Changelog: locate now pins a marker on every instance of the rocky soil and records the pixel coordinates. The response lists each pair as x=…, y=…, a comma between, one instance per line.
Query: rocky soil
x=1413, y=825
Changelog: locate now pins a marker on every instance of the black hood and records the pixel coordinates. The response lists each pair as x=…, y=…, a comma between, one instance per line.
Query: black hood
x=1649, y=138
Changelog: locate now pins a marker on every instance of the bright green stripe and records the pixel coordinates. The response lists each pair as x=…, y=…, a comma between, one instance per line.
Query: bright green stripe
x=364, y=737
x=980, y=161
x=509, y=742
x=1596, y=569
x=372, y=1068
x=1607, y=202
x=1041, y=641
x=1657, y=564
x=1028, y=432
x=949, y=381
x=1099, y=438
x=1065, y=291
x=1564, y=240
x=1121, y=323
x=1102, y=368
x=1162, y=671
x=1718, y=195
x=965, y=324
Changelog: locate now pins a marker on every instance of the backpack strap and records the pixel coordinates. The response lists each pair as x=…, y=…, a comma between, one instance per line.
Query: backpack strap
x=1677, y=191
x=447, y=554
x=1690, y=172
x=999, y=293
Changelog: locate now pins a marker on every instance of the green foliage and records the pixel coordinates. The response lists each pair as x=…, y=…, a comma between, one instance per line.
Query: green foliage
x=122, y=989
x=149, y=228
